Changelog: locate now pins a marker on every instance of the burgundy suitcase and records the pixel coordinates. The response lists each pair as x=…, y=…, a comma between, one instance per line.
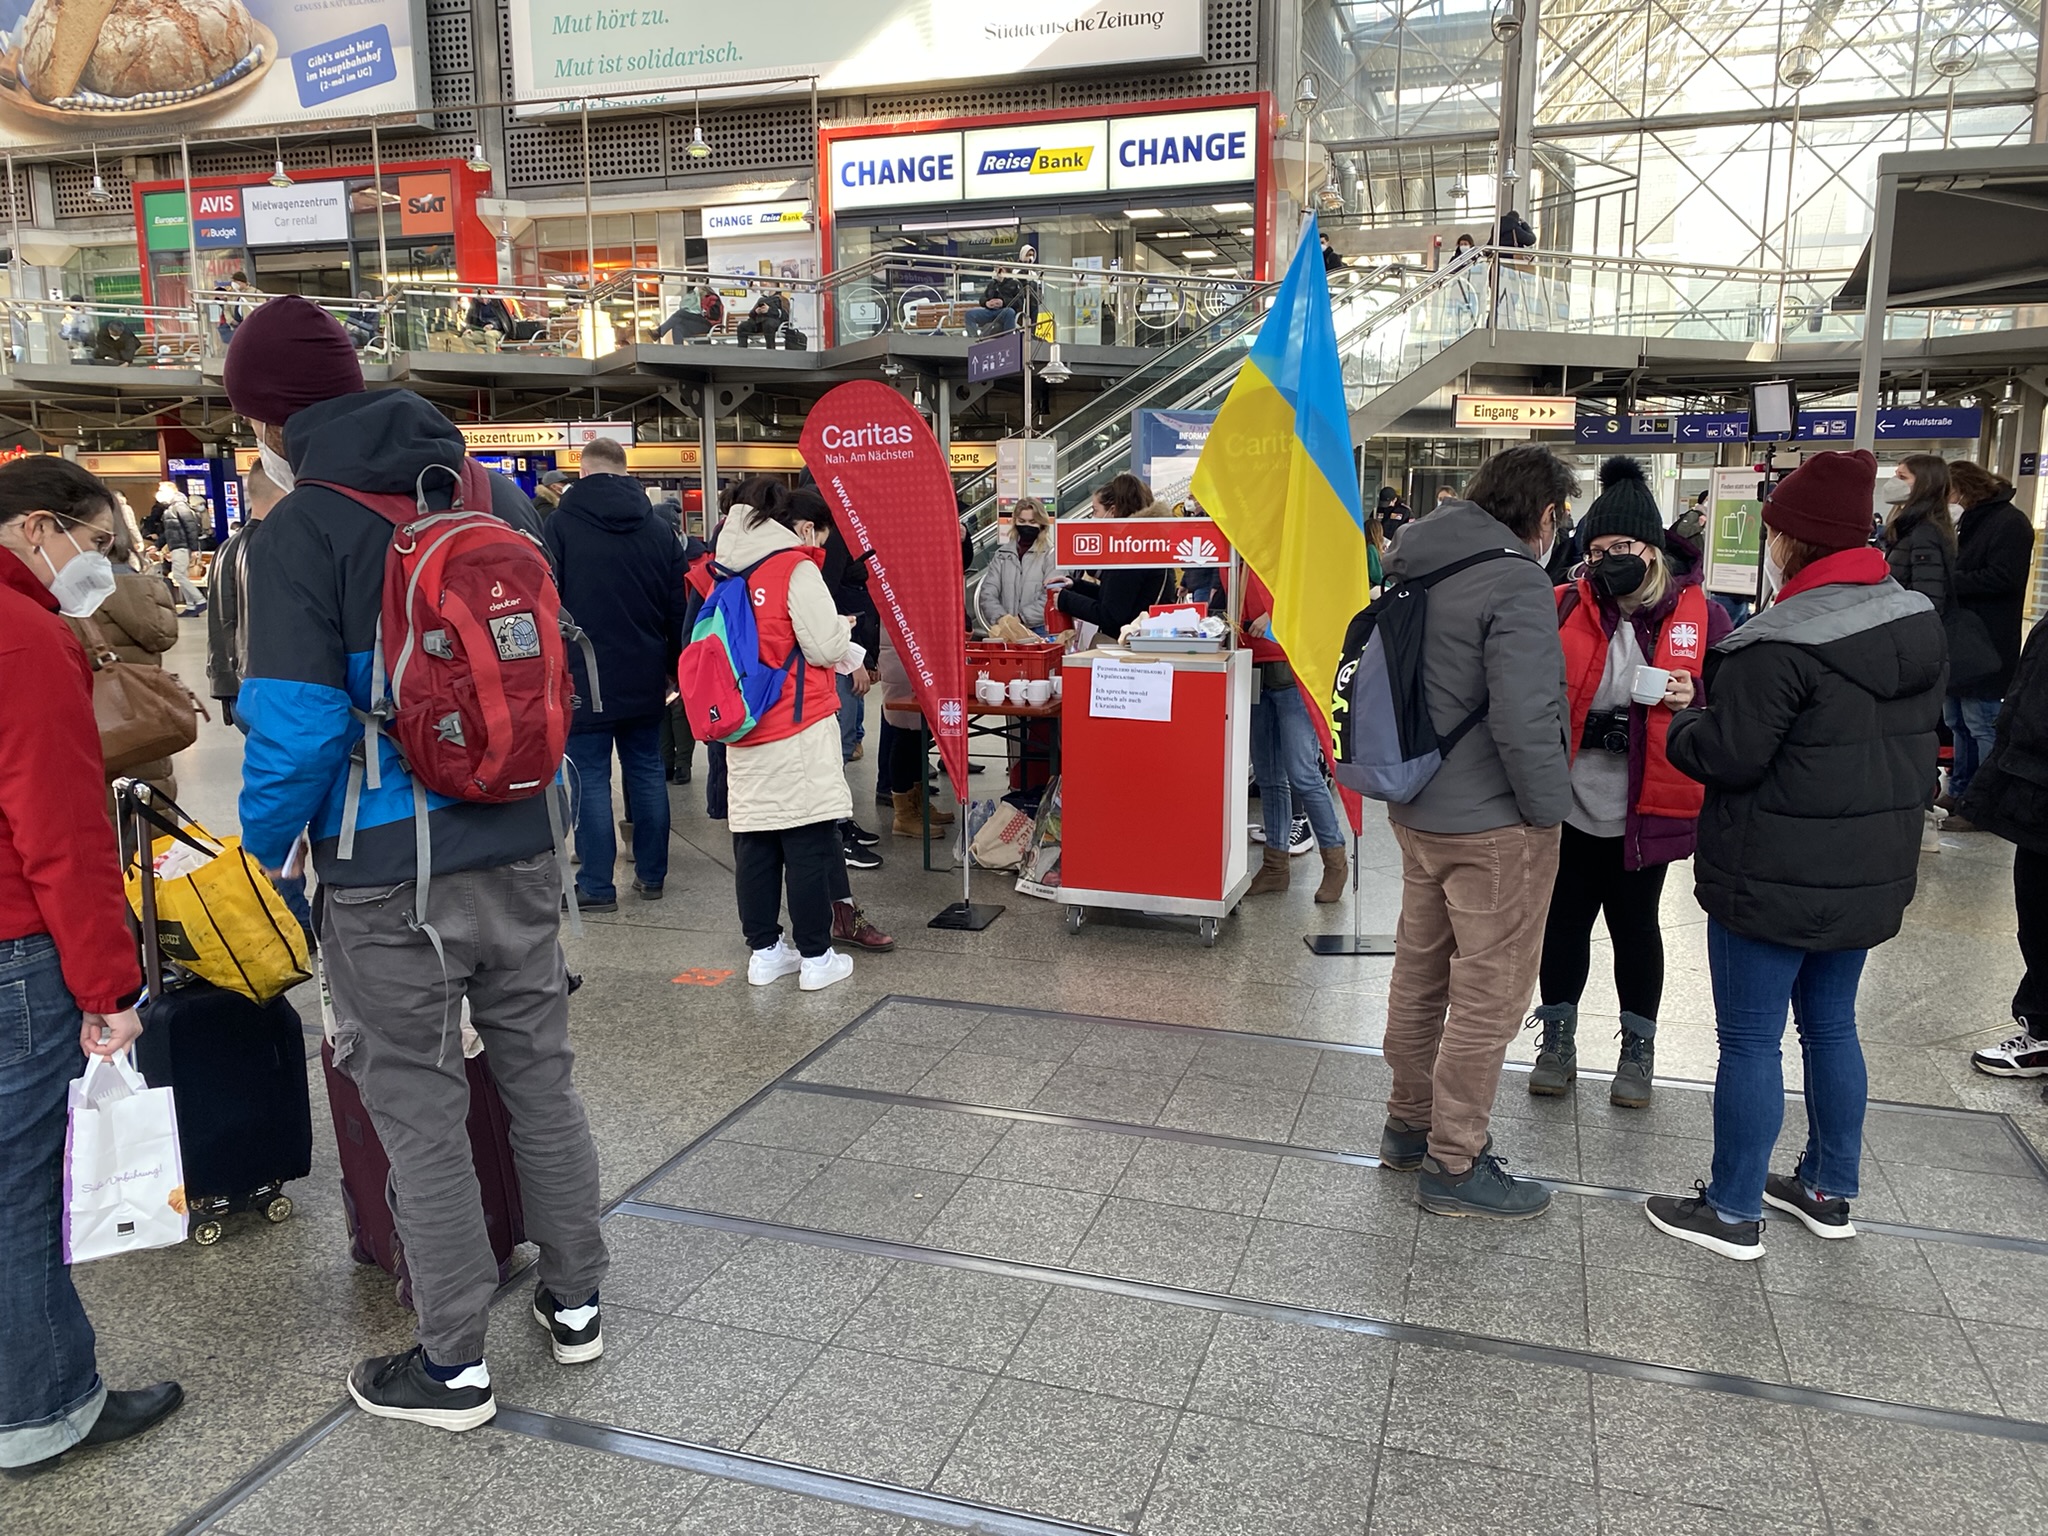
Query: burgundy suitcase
x=365, y=1173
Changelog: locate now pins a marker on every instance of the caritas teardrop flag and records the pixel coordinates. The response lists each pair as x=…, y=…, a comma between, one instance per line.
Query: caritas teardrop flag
x=881, y=472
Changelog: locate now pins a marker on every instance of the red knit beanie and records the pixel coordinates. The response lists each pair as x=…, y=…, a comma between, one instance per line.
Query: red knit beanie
x=1829, y=500
x=288, y=355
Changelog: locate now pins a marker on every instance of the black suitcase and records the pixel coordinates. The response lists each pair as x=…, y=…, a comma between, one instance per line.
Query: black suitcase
x=238, y=1069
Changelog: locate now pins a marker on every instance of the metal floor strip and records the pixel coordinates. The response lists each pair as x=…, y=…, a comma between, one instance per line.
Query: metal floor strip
x=208, y=1514
x=1950, y=1420
x=1222, y=1142
x=787, y=1477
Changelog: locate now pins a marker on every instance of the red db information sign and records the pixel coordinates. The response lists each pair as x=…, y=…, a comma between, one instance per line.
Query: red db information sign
x=1093, y=543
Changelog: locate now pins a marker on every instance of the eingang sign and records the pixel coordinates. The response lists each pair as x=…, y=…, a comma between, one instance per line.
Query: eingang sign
x=563, y=50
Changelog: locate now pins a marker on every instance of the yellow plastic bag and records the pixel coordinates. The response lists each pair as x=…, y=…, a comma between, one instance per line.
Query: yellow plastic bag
x=1045, y=328
x=217, y=914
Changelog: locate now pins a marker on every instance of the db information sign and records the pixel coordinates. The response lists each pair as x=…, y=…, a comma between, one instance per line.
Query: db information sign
x=1093, y=543
x=1556, y=411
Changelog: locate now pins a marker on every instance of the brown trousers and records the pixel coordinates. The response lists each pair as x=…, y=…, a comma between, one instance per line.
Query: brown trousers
x=1466, y=952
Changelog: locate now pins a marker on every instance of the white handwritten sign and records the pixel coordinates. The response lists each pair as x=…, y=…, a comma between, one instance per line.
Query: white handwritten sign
x=1131, y=690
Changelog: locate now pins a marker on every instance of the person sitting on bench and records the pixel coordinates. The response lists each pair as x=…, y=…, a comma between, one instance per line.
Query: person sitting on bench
x=1001, y=303
x=766, y=319
x=687, y=325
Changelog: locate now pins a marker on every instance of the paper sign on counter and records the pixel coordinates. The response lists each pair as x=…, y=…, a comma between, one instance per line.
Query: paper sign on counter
x=1127, y=690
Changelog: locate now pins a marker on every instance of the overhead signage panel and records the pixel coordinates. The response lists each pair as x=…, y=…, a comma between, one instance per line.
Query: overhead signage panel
x=1184, y=149
x=1918, y=422
x=906, y=169
x=1037, y=160
x=755, y=219
x=426, y=204
x=1546, y=412
x=1094, y=543
x=308, y=213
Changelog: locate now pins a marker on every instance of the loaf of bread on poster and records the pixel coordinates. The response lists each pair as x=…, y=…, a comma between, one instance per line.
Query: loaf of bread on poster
x=123, y=48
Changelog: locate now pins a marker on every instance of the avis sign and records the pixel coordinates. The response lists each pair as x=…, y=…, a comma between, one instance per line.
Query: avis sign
x=1093, y=543
x=1558, y=411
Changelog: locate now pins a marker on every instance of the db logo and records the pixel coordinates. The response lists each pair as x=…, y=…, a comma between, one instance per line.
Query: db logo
x=1685, y=639
x=1087, y=543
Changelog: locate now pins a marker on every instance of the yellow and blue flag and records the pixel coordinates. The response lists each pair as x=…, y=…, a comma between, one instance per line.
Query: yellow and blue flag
x=1278, y=477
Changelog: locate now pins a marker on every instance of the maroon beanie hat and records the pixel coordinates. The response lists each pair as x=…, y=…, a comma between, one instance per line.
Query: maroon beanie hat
x=288, y=355
x=1828, y=500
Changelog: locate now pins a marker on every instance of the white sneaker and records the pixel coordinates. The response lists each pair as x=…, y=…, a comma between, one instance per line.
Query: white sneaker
x=2024, y=1055
x=771, y=964
x=820, y=973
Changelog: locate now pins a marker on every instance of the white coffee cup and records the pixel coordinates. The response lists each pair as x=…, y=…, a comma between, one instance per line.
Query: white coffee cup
x=1038, y=691
x=1649, y=685
x=989, y=691
x=1018, y=686
x=1059, y=685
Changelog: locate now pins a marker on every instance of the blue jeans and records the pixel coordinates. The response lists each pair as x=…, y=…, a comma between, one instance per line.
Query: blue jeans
x=1004, y=319
x=1753, y=981
x=1974, y=725
x=1287, y=761
x=639, y=748
x=852, y=717
x=50, y=1390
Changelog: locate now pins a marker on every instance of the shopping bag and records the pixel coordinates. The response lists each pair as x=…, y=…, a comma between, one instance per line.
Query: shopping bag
x=1000, y=842
x=1039, y=873
x=217, y=914
x=124, y=1182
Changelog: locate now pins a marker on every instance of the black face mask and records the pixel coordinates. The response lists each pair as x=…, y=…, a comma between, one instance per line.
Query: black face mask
x=1620, y=576
x=1027, y=535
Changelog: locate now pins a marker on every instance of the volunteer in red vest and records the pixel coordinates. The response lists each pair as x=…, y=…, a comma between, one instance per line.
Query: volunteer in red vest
x=786, y=778
x=1623, y=622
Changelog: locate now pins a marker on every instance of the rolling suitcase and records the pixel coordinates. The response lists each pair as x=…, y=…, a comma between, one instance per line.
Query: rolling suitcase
x=245, y=1124
x=366, y=1171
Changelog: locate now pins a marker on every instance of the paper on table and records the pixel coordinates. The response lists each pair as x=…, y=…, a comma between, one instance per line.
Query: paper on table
x=1131, y=690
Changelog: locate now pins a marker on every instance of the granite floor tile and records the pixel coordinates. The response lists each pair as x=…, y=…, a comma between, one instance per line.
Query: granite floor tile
x=1352, y=1075
x=1052, y=1451
x=1687, y=1113
x=1060, y=1156
x=1618, y=1235
x=737, y=1179
x=1878, y=1271
x=539, y=1487
x=698, y=1381
x=1257, y=1064
x=1346, y=1195
x=953, y=1317
x=1509, y=1297
x=1115, y=1094
x=1539, y=1148
x=1633, y=1514
x=1905, y=1357
x=1035, y=1037
x=1362, y=1273
x=1638, y=1160
x=1330, y=1123
x=742, y=1509
x=2016, y=1359
x=1161, y=1053
x=1164, y=1244
x=871, y=1415
x=1207, y=1178
x=1667, y=1321
x=1320, y=1381
x=1983, y=1283
x=1558, y=1234
x=974, y=1077
x=793, y=1289
x=871, y=1200
x=1505, y=1413
x=1431, y=1496
x=1651, y=1439
x=942, y=1140
x=1121, y=1346
x=523, y=1368
x=931, y=1026
x=804, y=1122
x=1903, y=1480
x=1977, y=1144
x=1222, y=1477
x=1219, y=1108
x=1970, y=1202
x=655, y=1263
x=881, y=1064
x=1027, y=1222
x=370, y=1477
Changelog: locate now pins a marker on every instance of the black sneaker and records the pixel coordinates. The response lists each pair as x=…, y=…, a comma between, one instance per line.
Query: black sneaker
x=859, y=857
x=2024, y=1055
x=1822, y=1216
x=1691, y=1220
x=592, y=904
x=1402, y=1145
x=398, y=1387
x=577, y=1333
x=1485, y=1189
x=860, y=834
x=1301, y=837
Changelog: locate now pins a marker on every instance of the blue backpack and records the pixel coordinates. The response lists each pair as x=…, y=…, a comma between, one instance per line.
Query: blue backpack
x=725, y=683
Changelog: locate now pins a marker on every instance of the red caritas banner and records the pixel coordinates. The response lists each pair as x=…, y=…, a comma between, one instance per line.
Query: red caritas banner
x=881, y=472
x=1096, y=543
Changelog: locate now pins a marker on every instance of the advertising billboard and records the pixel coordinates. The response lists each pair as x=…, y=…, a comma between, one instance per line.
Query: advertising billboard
x=564, y=50
x=76, y=71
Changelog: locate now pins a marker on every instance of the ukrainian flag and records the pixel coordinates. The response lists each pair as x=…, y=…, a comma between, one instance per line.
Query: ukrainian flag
x=1278, y=478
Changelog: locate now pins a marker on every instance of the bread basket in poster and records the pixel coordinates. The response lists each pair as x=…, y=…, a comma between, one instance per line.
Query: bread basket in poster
x=120, y=61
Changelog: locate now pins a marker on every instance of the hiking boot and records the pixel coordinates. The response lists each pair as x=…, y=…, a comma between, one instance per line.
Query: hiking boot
x=1402, y=1145
x=1638, y=1063
x=1485, y=1189
x=2024, y=1055
x=400, y=1387
x=1690, y=1219
x=906, y=823
x=850, y=925
x=1557, y=1049
x=576, y=1334
x=1335, y=871
x=1822, y=1216
x=1275, y=874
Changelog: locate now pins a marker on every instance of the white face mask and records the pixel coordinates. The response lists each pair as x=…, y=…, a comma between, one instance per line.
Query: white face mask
x=1895, y=492
x=1955, y=509
x=275, y=465
x=84, y=582
x=1774, y=573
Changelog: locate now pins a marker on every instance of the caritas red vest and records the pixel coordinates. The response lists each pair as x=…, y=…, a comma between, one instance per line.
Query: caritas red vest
x=799, y=708
x=1681, y=647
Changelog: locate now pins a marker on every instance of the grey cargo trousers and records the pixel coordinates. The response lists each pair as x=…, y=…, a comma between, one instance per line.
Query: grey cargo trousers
x=396, y=1038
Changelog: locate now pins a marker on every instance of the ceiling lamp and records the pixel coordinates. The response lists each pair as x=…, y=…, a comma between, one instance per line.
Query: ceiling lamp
x=278, y=175
x=699, y=147
x=477, y=162
x=97, y=192
x=1798, y=66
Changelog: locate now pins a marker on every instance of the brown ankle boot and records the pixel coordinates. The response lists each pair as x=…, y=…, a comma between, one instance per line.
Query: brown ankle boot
x=907, y=823
x=1335, y=868
x=940, y=817
x=1275, y=873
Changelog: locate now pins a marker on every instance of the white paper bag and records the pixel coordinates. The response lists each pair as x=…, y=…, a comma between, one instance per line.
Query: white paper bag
x=124, y=1182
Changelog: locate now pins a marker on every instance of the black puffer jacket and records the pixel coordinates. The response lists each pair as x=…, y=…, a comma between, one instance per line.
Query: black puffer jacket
x=2009, y=795
x=619, y=567
x=1994, y=559
x=1922, y=561
x=1817, y=750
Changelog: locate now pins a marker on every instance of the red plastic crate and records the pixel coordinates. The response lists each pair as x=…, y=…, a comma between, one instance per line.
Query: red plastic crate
x=1003, y=662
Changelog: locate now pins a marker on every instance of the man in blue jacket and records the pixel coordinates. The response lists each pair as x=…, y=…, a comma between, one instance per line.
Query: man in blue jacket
x=397, y=975
x=620, y=570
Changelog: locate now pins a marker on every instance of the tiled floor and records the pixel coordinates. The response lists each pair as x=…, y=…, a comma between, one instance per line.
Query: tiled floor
x=953, y=1265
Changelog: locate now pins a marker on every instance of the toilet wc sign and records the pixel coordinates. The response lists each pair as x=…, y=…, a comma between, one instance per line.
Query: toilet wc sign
x=1094, y=543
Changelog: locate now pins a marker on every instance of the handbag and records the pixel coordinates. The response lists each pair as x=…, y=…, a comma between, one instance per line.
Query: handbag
x=143, y=713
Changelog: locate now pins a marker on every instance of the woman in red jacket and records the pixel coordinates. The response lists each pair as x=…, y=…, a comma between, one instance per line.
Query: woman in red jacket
x=1632, y=812
x=68, y=976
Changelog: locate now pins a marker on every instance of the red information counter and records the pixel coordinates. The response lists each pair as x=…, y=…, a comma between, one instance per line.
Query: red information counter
x=1154, y=811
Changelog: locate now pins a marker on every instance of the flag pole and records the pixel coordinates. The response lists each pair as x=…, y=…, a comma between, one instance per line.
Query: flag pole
x=964, y=915
x=1357, y=941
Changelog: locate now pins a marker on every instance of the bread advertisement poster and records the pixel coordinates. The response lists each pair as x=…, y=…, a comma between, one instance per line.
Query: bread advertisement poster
x=74, y=70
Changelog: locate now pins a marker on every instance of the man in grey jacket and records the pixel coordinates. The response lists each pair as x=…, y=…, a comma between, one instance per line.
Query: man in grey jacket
x=1479, y=843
